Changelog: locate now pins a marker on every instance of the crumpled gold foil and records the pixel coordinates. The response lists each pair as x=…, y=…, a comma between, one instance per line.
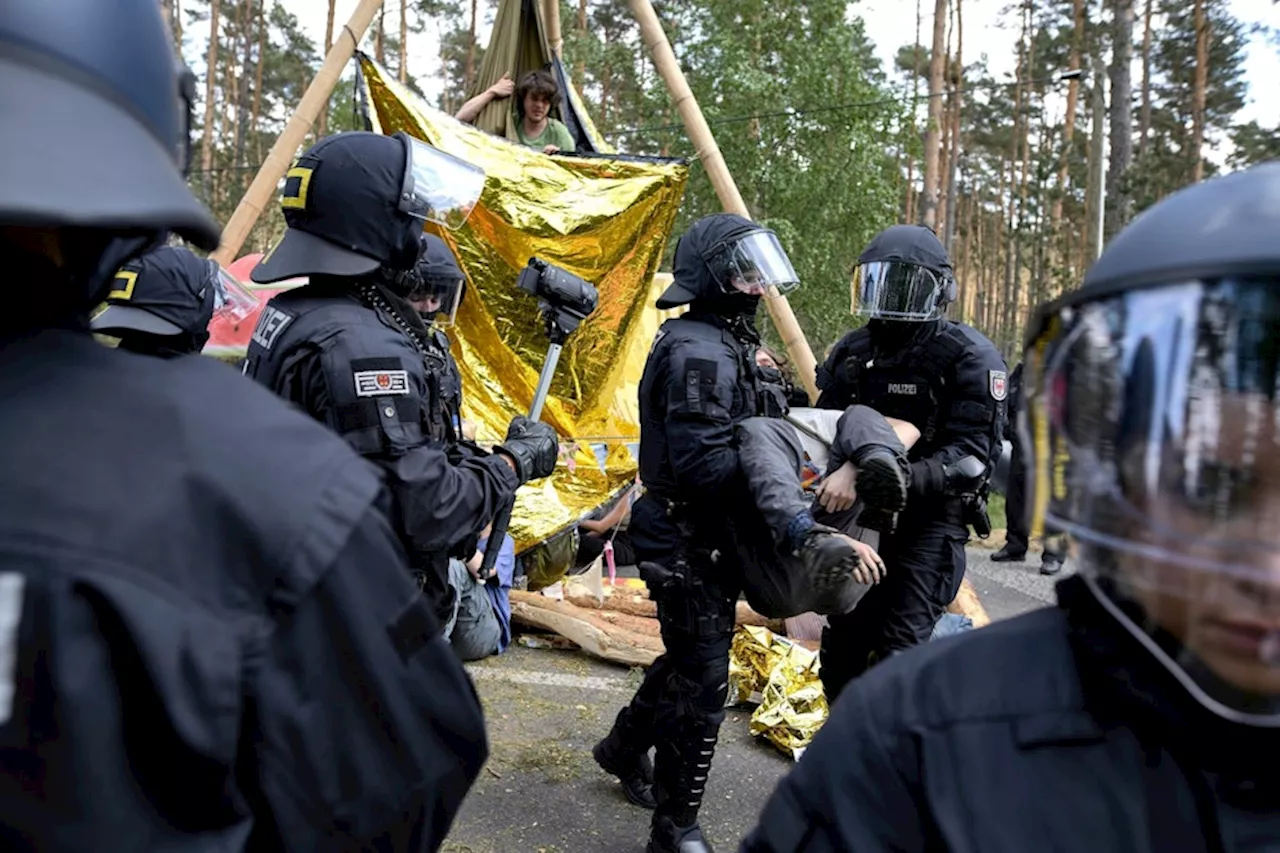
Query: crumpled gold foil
x=604, y=220
x=782, y=677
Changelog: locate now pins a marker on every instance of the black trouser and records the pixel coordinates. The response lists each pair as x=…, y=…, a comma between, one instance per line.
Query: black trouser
x=1015, y=502
x=431, y=571
x=925, y=560
x=1017, y=515
x=680, y=704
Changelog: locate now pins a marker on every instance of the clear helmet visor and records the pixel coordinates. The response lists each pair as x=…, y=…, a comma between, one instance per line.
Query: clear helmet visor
x=1153, y=422
x=752, y=264
x=230, y=298
x=438, y=187
x=894, y=290
x=437, y=300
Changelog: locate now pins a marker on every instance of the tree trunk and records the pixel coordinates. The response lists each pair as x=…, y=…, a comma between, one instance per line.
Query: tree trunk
x=1144, y=120
x=322, y=126
x=910, y=212
x=404, y=41
x=932, y=136
x=470, y=74
x=582, y=31
x=243, y=102
x=944, y=143
x=953, y=198
x=379, y=45
x=1068, y=121
x=257, y=83
x=1094, y=191
x=210, y=90
x=1121, y=116
x=1012, y=237
x=1198, y=92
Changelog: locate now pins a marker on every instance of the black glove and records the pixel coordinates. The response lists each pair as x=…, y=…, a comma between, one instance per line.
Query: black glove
x=533, y=446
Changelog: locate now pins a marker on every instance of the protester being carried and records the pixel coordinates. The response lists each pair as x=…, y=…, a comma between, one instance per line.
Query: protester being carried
x=535, y=127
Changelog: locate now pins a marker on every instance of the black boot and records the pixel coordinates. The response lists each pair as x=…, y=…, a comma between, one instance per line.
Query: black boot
x=666, y=837
x=634, y=771
x=1010, y=553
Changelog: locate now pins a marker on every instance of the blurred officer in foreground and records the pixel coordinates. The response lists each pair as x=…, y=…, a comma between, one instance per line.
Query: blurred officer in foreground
x=911, y=363
x=1143, y=713
x=209, y=639
x=351, y=350
x=161, y=304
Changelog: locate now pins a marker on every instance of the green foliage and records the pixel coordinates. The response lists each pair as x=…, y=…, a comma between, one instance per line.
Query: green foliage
x=825, y=179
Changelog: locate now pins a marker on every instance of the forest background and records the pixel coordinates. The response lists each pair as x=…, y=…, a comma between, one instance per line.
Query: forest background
x=1123, y=101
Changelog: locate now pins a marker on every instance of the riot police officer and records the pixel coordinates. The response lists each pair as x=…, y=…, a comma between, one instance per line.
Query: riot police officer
x=350, y=349
x=1147, y=704
x=161, y=304
x=700, y=380
x=910, y=362
x=437, y=294
x=208, y=636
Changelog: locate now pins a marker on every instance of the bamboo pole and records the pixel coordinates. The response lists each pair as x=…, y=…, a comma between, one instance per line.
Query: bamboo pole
x=262, y=190
x=664, y=59
x=551, y=20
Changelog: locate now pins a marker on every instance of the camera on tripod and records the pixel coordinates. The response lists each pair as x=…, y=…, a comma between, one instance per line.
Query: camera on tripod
x=565, y=299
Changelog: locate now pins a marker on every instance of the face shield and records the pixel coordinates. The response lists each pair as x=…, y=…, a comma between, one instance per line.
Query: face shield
x=1153, y=422
x=438, y=187
x=896, y=290
x=751, y=264
x=437, y=299
x=230, y=299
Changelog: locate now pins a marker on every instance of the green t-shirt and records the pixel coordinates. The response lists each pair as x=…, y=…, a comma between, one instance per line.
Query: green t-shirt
x=555, y=133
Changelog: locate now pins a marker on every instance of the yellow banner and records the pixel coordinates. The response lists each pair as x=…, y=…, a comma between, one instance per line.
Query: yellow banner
x=605, y=220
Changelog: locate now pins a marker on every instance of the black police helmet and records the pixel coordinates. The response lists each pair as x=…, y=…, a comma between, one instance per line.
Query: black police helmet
x=912, y=244
x=693, y=276
x=1150, y=401
x=341, y=202
x=167, y=292
x=95, y=122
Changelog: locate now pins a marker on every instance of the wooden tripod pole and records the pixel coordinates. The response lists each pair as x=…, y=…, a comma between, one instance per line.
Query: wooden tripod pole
x=262, y=190
x=664, y=59
x=551, y=19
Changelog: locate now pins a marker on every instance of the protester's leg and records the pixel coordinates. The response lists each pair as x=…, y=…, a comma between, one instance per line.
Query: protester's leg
x=770, y=457
x=451, y=618
x=1015, y=508
x=875, y=447
x=1055, y=553
x=476, y=632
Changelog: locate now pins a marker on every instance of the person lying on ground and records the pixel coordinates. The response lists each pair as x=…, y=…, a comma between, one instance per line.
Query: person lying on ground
x=535, y=95
x=594, y=533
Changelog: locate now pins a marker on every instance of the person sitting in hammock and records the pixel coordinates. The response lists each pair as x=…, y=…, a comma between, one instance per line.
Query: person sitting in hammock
x=535, y=95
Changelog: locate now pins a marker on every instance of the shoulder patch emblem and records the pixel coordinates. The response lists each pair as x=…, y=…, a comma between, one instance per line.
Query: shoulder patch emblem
x=270, y=324
x=378, y=383
x=999, y=384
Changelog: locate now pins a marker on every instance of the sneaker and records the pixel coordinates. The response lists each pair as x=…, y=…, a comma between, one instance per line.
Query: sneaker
x=1050, y=564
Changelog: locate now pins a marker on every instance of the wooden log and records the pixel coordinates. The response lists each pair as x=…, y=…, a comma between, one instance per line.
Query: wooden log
x=592, y=634
x=637, y=603
x=263, y=188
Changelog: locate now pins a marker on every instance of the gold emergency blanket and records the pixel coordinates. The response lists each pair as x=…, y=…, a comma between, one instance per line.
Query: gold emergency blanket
x=602, y=219
x=782, y=677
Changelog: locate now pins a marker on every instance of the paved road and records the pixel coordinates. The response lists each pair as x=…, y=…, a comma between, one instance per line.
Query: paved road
x=542, y=793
